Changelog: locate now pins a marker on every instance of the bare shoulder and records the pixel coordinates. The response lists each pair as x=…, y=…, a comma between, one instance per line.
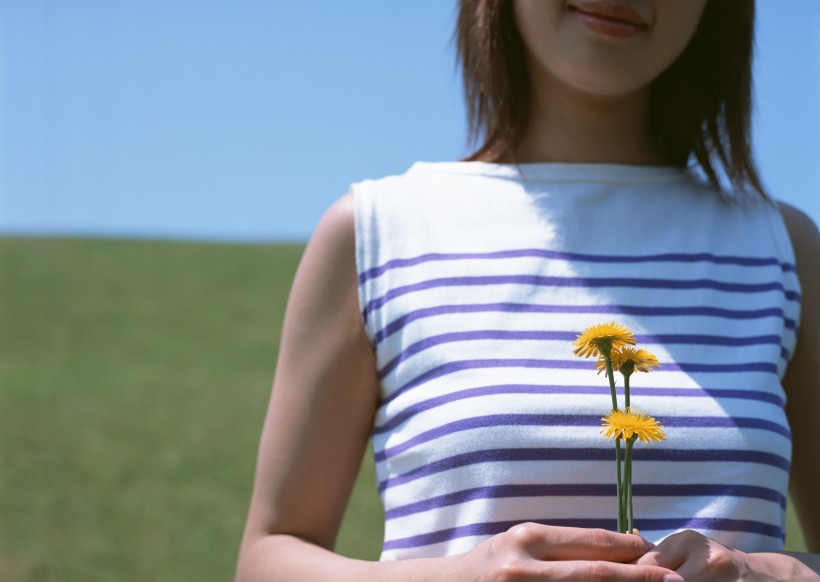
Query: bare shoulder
x=806, y=242
x=326, y=278
x=339, y=217
x=795, y=215
x=335, y=233
x=802, y=230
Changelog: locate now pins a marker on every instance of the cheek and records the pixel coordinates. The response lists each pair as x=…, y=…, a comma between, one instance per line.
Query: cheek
x=540, y=26
x=537, y=21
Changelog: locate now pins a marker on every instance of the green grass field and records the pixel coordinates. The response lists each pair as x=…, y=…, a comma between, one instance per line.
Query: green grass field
x=133, y=383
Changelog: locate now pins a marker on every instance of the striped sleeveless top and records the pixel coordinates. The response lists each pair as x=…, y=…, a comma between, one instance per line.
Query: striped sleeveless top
x=475, y=278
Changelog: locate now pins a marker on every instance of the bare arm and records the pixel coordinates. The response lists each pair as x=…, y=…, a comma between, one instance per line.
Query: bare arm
x=802, y=382
x=318, y=422
x=318, y=419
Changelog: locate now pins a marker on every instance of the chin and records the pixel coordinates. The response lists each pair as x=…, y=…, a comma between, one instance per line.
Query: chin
x=605, y=82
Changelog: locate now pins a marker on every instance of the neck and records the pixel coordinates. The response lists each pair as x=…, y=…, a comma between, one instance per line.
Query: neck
x=568, y=125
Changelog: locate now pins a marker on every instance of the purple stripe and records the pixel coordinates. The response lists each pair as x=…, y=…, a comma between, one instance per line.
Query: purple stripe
x=492, y=334
x=535, y=280
x=721, y=368
x=460, y=366
x=584, y=490
x=489, y=334
x=453, y=367
x=707, y=340
x=566, y=420
x=645, y=525
x=493, y=390
x=587, y=454
x=401, y=322
x=581, y=257
x=488, y=421
x=724, y=422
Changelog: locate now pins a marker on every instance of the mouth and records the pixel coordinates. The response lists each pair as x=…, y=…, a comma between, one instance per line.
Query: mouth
x=609, y=18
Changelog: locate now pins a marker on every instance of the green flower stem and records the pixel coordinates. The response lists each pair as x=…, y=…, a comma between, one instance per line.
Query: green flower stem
x=605, y=352
x=626, y=390
x=621, y=514
x=628, y=484
x=611, y=377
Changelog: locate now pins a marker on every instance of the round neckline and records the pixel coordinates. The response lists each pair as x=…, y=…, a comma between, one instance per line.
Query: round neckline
x=556, y=171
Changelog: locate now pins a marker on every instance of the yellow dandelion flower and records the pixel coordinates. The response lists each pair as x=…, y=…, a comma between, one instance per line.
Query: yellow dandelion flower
x=628, y=423
x=602, y=337
x=628, y=359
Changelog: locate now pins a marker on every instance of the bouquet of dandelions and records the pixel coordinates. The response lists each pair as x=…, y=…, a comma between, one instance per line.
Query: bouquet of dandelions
x=612, y=344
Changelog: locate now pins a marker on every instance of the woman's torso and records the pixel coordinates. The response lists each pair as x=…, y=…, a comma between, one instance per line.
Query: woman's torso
x=475, y=280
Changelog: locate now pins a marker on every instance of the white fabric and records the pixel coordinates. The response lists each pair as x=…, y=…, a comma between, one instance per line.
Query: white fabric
x=474, y=280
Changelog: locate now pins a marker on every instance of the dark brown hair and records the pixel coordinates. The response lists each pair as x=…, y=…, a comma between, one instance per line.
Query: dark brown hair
x=700, y=107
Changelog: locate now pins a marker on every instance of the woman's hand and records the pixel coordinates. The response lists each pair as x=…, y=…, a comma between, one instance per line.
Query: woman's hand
x=531, y=551
x=698, y=558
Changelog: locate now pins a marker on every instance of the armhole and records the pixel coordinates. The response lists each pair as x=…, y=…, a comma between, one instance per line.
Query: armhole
x=366, y=253
x=780, y=233
x=786, y=254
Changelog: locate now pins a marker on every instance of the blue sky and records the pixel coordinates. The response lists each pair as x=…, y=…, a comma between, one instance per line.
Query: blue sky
x=245, y=119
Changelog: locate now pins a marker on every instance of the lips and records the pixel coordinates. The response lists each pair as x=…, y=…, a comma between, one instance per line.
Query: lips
x=609, y=18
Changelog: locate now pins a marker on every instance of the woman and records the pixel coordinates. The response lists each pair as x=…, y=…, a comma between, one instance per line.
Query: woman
x=431, y=310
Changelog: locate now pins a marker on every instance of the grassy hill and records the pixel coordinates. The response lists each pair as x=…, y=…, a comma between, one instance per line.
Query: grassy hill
x=133, y=383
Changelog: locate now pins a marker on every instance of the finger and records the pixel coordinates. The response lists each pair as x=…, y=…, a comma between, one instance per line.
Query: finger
x=713, y=562
x=571, y=543
x=610, y=571
x=673, y=551
x=664, y=557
